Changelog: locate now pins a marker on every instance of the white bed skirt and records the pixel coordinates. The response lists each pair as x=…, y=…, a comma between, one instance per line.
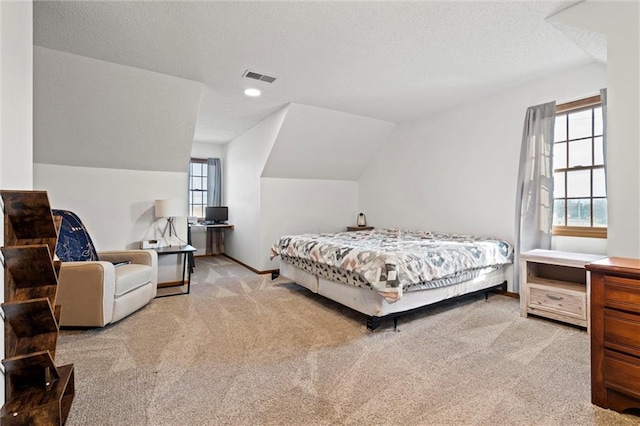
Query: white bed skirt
x=370, y=303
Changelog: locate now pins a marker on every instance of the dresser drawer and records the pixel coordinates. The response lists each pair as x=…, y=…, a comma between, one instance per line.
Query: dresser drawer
x=622, y=331
x=558, y=300
x=622, y=373
x=622, y=293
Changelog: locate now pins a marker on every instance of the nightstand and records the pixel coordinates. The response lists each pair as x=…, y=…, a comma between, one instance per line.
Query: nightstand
x=555, y=284
x=359, y=228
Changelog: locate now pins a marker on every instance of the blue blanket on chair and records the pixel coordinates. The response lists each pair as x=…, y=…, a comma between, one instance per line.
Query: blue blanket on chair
x=74, y=242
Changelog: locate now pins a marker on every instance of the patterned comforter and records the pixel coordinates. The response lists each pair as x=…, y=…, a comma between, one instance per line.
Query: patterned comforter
x=394, y=260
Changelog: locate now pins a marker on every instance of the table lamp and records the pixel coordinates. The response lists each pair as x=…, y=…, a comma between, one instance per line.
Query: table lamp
x=170, y=209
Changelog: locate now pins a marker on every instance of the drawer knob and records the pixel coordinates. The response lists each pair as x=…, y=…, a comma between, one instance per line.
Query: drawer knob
x=552, y=297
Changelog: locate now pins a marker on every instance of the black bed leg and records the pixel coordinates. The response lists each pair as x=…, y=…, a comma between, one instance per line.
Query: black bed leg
x=275, y=275
x=372, y=323
x=501, y=287
x=395, y=323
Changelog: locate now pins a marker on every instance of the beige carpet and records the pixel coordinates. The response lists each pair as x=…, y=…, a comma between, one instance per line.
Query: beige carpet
x=241, y=349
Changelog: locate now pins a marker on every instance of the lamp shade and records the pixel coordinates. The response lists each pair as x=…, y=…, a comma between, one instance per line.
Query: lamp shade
x=170, y=208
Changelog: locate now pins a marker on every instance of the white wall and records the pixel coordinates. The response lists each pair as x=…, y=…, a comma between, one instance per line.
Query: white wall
x=116, y=205
x=456, y=170
x=16, y=86
x=620, y=22
x=623, y=71
x=297, y=206
x=244, y=159
x=16, y=107
x=580, y=244
x=206, y=150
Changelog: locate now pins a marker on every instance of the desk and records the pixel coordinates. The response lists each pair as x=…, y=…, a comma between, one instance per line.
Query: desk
x=187, y=252
x=209, y=228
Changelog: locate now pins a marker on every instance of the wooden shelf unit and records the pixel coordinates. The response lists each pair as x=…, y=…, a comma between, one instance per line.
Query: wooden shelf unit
x=555, y=285
x=36, y=391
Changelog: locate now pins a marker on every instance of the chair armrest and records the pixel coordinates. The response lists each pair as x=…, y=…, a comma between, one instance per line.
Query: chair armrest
x=139, y=257
x=86, y=292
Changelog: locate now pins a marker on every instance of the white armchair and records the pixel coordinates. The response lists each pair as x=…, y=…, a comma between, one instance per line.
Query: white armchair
x=94, y=293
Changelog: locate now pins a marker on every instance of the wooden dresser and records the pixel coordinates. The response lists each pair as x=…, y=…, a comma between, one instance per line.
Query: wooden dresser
x=615, y=333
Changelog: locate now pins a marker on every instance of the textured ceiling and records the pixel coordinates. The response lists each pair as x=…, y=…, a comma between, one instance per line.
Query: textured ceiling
x=386, y=60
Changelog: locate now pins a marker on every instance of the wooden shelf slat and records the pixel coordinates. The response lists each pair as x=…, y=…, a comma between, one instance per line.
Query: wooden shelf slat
x=32, y=370
x=38, y=311
x=29, y=273
x=25, y=294
x=40, y=342
x=38, y=361
x=30, y=266
x=39, y=333
x=29, y=215
x=37, y=406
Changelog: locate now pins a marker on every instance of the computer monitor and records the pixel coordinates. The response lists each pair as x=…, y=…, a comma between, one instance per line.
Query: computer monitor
x=216, y=214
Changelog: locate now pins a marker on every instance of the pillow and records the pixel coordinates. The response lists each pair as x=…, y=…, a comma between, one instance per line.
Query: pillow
x=74, y=242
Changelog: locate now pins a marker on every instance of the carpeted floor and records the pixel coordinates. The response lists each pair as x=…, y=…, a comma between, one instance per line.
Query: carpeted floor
x=241, y=349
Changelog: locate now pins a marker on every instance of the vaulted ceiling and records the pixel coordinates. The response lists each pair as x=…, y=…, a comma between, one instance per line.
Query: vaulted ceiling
x=390, y=61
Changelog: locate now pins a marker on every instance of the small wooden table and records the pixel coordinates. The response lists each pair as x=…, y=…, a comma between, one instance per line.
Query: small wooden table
x=187, y=251
x=359, y=228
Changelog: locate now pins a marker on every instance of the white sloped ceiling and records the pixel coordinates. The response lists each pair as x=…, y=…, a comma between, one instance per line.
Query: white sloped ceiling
x=93, y=113
x=390, y=60
x=318, y=143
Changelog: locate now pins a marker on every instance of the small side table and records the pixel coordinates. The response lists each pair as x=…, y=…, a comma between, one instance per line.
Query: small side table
x=187, y=252
x=555, y=284
x=359, y=228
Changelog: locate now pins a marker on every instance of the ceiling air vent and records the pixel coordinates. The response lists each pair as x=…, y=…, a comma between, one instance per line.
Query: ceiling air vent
x=257, y=76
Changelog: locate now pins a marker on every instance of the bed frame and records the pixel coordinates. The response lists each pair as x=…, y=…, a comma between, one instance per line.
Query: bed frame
x=371, y=304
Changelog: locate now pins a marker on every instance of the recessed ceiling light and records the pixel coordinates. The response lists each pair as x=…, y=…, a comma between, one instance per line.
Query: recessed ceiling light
x=252, y=92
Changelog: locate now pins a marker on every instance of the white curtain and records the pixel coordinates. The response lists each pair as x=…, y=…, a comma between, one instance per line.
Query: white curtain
x=214, y=182
x=603, y=100
x=534, y=197
x=215, y=237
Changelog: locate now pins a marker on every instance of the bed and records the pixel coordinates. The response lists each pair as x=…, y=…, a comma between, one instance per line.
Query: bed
x=385, y=272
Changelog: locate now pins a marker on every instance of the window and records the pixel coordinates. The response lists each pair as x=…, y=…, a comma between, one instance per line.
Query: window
x=580, y=199
x=197, y=187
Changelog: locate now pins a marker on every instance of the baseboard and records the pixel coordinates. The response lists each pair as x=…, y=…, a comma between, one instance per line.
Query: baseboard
x=507, y=293
x=268, y=271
